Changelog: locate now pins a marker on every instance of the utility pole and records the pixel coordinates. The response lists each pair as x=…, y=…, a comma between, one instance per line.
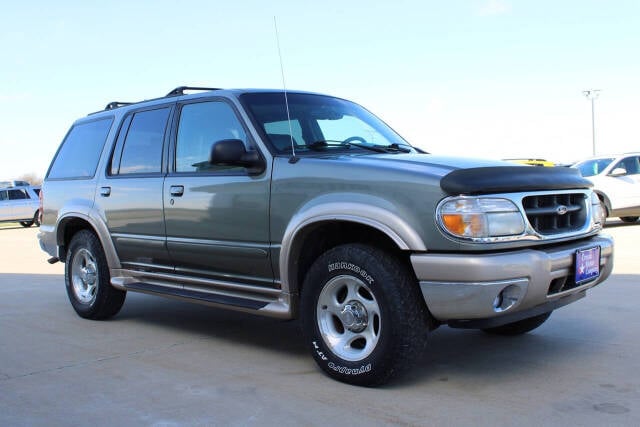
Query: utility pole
x=592, y=94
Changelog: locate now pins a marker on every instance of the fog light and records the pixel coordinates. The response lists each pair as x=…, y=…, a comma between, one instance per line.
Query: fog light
x=507, y=298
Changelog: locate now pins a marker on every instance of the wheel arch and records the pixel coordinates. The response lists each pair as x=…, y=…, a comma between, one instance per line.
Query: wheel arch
x=319, y=229
x=605, y=200
x=72, y=222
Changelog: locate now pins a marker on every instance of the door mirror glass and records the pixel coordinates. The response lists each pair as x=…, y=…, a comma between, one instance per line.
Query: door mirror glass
x=618, y=172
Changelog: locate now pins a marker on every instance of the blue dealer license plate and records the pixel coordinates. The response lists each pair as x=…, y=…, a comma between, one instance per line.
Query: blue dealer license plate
x=587, y=264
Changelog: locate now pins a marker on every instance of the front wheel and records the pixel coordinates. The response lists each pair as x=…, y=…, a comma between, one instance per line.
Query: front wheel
x=520, y=327
x=362, y=315
x=87, y=279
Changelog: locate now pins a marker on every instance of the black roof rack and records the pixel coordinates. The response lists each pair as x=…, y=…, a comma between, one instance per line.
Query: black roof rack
x=116, y=104
x=180, y=90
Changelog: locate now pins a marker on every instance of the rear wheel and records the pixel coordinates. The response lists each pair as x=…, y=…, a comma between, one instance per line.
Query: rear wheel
x=629, y=218
x=362, y=315
x=520, y=327
x=87, y=279
x=26, y=223
x=36, y=219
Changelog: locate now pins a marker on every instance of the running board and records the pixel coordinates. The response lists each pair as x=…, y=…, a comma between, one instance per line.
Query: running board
x=260, y=300
x=198, y=296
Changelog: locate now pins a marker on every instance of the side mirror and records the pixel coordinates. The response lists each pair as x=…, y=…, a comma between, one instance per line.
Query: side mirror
x=618, y=172
x=232, y=152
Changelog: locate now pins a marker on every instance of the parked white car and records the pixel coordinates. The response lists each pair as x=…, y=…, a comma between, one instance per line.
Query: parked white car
x=20, y=204
x=616, y=180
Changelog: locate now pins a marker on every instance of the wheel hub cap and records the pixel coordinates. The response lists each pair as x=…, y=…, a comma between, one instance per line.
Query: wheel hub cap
x=88, y=275
x=354, y=316
x=348, y=318
x=84, y=276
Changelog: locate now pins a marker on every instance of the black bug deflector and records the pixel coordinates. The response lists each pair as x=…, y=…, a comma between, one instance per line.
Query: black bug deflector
x=504, y=179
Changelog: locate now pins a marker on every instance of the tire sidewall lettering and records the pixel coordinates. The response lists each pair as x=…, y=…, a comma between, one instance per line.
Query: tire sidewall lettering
x=348, y=266
x=344, y=370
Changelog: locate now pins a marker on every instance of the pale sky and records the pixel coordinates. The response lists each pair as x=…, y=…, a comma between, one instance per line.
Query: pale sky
x=488, y=78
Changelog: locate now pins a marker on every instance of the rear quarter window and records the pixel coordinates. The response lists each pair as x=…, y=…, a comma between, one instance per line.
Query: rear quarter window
x=80, y=151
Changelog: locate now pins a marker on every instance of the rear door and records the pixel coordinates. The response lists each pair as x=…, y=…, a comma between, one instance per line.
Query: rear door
x=131, y=194
x=217, y=217
x=20, y=203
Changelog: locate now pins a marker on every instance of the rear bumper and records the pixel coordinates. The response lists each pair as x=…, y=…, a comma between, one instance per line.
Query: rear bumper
x=466, y=290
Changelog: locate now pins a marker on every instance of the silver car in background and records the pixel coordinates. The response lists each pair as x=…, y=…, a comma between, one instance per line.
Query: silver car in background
x=616, y=180
x=20, y=204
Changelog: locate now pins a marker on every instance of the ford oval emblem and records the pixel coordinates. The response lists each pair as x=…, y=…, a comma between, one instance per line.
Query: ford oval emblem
x=561, y=210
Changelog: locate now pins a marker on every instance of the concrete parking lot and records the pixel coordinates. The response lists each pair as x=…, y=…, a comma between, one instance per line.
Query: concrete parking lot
x=165, y=363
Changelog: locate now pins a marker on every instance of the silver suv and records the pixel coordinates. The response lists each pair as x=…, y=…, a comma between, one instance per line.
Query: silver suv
x=616, y=180
x=20, y=204
x=301, y=205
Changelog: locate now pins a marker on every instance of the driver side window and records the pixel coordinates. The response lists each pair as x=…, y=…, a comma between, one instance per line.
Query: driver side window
x=631, y=165
x=201, y=124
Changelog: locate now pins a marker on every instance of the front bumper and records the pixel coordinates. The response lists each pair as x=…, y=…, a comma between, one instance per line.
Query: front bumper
x=468, y=289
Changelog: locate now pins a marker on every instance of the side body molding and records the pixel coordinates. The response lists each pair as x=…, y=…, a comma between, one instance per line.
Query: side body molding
x=369, y=214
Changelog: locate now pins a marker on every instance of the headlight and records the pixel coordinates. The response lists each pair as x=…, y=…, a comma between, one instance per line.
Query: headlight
x=599, y=215
x=480, y=218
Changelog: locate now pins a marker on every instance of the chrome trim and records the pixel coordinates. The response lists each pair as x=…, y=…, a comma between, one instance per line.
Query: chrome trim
x=530, y=234
x=278, y=302
x=162, y=278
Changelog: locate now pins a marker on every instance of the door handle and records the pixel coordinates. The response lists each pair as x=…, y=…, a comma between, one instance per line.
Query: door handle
x=105, y=191
x=177, y=190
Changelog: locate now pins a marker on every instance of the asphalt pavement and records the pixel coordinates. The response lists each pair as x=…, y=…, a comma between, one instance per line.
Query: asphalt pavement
x=161, y=362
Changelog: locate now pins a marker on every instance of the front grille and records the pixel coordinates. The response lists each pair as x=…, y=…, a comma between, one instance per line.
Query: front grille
x=551, y=214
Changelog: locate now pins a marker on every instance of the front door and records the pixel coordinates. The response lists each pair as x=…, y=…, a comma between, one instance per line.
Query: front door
x=217, y=217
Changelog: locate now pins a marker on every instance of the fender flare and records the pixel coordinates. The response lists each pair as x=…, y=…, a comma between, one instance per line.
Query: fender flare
x=99, y=228
x=370, y=214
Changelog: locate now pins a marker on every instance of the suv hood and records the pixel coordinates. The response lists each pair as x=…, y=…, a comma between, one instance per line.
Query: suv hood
x=473, y=176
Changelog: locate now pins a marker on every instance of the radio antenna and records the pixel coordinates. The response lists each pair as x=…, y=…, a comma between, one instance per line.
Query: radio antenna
x=293, y=159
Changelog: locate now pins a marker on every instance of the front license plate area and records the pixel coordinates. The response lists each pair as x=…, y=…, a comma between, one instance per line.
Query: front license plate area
x=587, y=264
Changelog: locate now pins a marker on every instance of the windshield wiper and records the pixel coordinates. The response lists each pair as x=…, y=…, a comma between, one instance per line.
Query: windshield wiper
x=381, y=148
x=324, y=143
x=378, y=148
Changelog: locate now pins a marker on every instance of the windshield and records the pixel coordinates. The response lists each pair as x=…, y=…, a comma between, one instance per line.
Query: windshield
x=592, y=167
x=320, y=123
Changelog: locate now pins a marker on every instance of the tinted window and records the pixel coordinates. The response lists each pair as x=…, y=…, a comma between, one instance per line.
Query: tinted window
x=279, y=133
x=629, y=164
x=80, y=151
x=3, y=195
x=142, y=151
x=593, y=167
x=318, y=122
x=18, y=195
x=201, y=125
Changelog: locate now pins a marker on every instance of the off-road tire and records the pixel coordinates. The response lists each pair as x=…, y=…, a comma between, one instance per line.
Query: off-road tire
x=520, y=327
x=397, y=319
x=87, y=279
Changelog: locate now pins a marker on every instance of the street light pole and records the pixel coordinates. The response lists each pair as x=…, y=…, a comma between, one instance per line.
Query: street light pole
x=592, y=94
